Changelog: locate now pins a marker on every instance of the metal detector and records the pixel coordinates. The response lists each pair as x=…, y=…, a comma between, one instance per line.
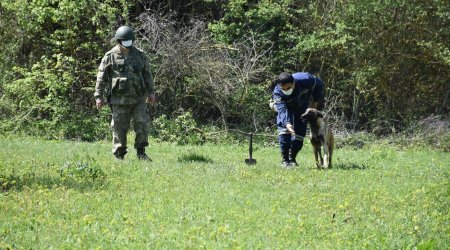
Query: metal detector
x=250, y=160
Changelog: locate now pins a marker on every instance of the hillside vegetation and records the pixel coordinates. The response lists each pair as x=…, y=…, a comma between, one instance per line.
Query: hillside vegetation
x=386, y=64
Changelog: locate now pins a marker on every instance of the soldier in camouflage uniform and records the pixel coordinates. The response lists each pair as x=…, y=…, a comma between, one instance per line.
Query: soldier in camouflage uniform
x=125, y=79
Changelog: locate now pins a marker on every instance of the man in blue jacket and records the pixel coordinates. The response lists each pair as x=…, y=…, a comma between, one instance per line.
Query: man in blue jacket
x=292, y=96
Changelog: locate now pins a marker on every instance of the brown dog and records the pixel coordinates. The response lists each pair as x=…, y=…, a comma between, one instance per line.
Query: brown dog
x=321, y=135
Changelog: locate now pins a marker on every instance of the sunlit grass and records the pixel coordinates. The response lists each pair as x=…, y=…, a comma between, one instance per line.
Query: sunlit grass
x=59, y=194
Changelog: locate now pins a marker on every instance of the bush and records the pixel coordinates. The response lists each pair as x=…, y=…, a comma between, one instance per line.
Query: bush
x=49, y=52
x=355, y=140
x=183, y=130
x=433, y=131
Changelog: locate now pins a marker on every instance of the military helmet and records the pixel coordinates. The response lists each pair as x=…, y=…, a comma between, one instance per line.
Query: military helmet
x=124, y=33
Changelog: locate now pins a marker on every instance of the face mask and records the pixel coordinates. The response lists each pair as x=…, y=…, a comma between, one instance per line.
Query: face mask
x=127, y=43
x=288, y=92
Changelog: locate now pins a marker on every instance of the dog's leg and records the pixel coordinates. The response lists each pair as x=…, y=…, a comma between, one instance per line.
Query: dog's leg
x=319, y=150
x=326, y=156
x=325, y=161
x=330, y=149
x=316, y=155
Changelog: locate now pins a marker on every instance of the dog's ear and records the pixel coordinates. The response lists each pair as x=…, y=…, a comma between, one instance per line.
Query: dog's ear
x=319, y=114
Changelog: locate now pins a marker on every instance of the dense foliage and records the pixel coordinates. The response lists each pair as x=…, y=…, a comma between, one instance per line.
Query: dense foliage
x=49, y=52
x=386, y=64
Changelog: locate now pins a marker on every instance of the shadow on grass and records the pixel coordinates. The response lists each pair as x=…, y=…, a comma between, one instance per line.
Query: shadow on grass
x=193, y=157
x=350, y=165
x=18, y=183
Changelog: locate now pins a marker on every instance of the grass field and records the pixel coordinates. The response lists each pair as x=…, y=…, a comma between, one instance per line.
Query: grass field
x=64, y=195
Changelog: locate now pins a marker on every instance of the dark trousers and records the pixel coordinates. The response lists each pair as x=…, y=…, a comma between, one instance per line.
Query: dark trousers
x=290, y=145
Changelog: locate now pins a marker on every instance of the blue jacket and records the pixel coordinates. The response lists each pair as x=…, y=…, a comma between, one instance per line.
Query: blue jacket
x=290, y=106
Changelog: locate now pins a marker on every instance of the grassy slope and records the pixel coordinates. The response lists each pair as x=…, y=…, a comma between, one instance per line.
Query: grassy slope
x=376, y=197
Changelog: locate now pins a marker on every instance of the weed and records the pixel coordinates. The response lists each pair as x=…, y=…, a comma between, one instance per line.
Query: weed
x=193, y=157
x=82, y=171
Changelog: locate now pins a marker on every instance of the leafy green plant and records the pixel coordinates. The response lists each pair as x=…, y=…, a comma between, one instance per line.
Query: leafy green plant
x=6, y=182
x=82, y=171
x=194, y=157
x=183, y=130
x=49, y=51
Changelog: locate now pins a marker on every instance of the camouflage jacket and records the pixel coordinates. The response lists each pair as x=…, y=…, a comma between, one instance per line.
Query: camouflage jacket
x=124, y=80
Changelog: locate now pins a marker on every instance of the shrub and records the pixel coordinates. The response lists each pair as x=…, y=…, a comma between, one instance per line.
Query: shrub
x=183, y=130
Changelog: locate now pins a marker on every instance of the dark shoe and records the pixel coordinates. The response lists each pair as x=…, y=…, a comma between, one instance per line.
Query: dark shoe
x=119, y=157
x=293, y=163
x=120, y=153
x=142, y=155
x=285, y=164
x=292, y=160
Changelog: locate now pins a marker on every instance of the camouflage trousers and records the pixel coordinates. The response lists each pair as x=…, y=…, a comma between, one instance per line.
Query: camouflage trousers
x=120, y=123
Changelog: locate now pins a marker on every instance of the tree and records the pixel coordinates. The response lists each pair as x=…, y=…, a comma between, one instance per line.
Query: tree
x=385, y=64
x=50, y=52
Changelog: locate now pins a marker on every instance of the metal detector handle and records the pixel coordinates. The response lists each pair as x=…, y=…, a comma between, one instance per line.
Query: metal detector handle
x=250, y=148
x=250, y=161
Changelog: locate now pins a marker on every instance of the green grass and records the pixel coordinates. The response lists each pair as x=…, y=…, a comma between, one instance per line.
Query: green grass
x=60, y=195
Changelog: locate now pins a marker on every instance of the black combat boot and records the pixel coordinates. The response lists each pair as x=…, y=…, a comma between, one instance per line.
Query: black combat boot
x=120, y=154
x=119, y=157
x=142, y=155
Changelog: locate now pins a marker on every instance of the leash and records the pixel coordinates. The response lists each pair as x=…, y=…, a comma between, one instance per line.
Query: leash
x=297, y=137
